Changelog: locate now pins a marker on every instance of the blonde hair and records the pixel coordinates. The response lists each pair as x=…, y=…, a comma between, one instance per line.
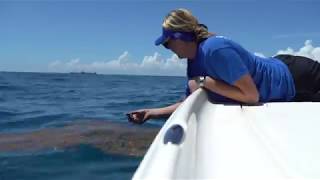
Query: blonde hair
x=182, y=20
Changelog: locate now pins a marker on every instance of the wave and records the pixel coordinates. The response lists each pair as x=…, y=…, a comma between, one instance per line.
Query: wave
x=59, y=79
x=15, y=113
x=10, y=87
x=134, y=103
x=30, y=123
x=4, y=114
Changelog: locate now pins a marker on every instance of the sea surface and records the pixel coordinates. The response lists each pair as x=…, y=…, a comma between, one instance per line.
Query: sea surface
x=34, y=101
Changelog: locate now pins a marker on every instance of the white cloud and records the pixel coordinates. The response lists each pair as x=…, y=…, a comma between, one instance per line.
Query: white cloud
x=155, y=64
x=307, y=50
x=259, y=54
x=55, y=63
x=150, y=65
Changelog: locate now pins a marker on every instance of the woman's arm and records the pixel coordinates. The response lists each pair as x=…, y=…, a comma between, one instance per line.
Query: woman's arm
x=164, y=111
x=142, y=115
x=243, y=90
x=235, y=81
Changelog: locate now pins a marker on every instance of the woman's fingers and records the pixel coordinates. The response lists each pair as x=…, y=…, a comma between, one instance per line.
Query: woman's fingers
x=137, y=116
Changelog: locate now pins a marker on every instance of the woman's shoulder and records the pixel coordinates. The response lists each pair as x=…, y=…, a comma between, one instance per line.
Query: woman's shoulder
x=214, y=43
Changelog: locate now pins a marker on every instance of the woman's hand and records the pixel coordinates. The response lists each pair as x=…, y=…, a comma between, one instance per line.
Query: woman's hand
x=140, y=116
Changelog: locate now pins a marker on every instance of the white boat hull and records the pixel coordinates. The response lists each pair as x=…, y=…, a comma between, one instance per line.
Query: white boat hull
x=274, y=140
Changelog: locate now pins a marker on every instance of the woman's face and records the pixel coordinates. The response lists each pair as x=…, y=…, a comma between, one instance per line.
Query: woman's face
x=181, y=48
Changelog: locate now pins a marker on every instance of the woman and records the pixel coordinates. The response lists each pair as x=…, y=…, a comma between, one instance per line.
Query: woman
x=228, y=72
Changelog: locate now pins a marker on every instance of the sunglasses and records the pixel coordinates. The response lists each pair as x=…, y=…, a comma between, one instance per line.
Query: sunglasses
x=166, y=43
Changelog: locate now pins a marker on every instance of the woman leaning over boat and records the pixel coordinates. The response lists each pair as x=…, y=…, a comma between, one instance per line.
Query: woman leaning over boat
x=228, y=72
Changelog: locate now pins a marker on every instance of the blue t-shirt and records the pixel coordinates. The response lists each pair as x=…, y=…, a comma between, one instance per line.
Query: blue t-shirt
x=225, y=60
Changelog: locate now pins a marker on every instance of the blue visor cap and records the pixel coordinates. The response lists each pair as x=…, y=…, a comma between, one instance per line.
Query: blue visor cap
x=185, y=36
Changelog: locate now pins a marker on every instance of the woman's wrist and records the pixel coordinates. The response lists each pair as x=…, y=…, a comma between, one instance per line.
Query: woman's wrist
x=201, y=81
x=197, y=82
x=155, y=113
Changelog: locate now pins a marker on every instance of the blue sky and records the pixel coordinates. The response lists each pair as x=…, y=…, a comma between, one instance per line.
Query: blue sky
x=35, y=36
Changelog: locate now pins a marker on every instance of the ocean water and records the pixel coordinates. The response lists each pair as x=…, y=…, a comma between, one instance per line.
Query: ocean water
x=33, y=101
